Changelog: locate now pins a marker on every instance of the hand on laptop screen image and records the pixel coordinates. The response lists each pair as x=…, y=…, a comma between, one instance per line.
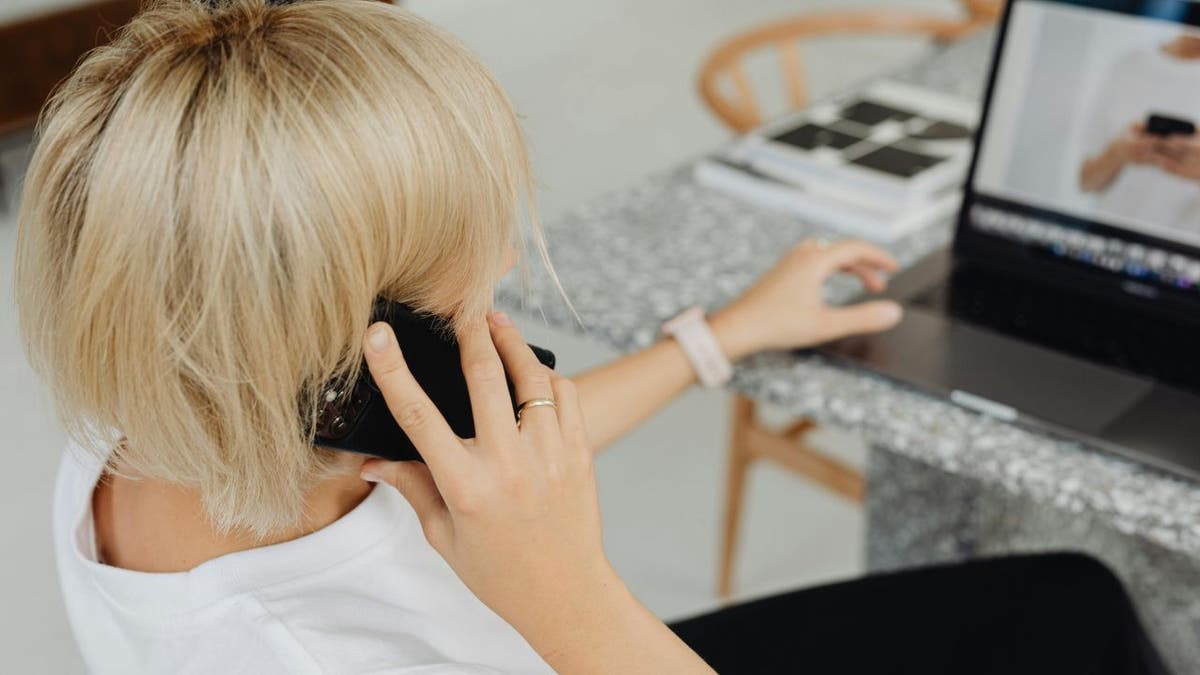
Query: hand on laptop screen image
x=1094, y=116
x=1179, y=155
x=1142, y=154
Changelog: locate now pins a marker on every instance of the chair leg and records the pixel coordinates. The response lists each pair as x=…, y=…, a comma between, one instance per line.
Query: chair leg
x=748, y=441
x=735, y=484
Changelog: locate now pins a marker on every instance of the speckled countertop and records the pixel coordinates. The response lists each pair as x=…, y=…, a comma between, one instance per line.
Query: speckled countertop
x=632, y=259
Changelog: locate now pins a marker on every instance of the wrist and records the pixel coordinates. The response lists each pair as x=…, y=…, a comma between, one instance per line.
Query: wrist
x=734, y=334
x=610, y=631
x=562, y=627
x=1119, y=151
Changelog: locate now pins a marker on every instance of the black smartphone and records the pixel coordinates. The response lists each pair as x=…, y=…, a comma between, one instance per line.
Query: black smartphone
x=353, y=415
x=1165, y=125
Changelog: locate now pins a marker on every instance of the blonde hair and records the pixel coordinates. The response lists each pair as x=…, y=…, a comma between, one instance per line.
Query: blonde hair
x=217, y=197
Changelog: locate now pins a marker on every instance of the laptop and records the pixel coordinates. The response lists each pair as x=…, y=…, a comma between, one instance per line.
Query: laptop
x=1070, y=299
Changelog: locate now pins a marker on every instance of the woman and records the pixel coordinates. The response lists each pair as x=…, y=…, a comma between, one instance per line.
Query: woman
x=216, y=200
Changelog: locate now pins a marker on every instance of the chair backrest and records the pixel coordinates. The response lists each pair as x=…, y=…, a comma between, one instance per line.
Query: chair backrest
x=740, y=111
x=984, y=10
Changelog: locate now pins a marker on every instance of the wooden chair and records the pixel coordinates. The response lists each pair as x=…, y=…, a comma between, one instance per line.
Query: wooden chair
x=749, y=440
x=739, y=109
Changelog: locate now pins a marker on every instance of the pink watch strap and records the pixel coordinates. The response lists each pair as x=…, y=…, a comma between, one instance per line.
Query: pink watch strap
x=693, y=334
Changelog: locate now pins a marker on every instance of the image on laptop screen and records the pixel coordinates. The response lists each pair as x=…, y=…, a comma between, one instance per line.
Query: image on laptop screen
x=1090, y=149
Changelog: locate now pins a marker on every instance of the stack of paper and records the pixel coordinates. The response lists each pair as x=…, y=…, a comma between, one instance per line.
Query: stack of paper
x=877, y=164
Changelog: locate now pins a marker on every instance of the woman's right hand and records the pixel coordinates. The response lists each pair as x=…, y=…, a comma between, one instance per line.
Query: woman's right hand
x=514, y=511
x=1136, y=146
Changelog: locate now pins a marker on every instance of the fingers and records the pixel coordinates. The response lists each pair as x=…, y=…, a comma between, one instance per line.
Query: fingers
x=530, y=378
x=1176, y=147
x=487, y=384
x=1171, y=165
x=871, y=277
x=412, y=409
x=1165, y=146
x=866, y=317
x=570, y=415
x=414, y=481
x=845, y=255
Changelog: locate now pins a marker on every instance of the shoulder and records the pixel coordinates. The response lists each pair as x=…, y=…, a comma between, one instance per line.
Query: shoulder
x=78, y=471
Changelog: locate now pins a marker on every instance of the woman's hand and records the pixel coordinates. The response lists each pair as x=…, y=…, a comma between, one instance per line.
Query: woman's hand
x=1133, y=146
x=514, y=511
x=785, y=310
x=1179, y=155
x=1136, y=146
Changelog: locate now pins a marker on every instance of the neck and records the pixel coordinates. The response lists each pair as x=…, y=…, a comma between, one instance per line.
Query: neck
x=148, y=525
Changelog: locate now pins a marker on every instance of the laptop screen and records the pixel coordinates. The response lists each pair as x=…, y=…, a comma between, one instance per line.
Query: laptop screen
x=1088, y=165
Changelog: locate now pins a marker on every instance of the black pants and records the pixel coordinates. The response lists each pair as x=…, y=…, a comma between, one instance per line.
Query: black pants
x=1061, y=614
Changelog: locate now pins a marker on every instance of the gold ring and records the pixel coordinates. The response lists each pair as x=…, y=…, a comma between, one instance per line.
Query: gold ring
x=534, y=403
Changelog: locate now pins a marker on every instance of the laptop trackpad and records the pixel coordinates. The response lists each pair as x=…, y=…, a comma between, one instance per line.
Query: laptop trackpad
x=946, y=355
x=1163, y=425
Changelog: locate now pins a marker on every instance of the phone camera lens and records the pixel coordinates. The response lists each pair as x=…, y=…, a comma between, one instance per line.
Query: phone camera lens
x=338, y=427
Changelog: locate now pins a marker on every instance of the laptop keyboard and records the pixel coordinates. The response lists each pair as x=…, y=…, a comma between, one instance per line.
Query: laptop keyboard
x=1078, y=324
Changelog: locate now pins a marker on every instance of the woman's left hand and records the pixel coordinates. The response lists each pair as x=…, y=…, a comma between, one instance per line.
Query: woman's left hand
x=1179, y=155
x=785, y=310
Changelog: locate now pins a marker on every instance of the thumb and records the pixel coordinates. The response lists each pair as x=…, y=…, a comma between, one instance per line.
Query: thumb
x=412, y=480
x=866, y=317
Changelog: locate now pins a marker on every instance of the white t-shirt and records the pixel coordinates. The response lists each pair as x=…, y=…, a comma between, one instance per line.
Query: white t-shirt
x=366, y=594
x=1139, y=84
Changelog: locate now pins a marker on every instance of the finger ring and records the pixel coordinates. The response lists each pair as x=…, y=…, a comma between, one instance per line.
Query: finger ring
x=534, y=403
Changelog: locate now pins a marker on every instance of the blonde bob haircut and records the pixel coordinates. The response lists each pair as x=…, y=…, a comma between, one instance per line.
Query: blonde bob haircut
x=217, y=197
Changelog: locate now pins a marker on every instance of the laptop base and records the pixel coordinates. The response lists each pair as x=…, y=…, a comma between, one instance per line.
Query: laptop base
x=977, y=364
